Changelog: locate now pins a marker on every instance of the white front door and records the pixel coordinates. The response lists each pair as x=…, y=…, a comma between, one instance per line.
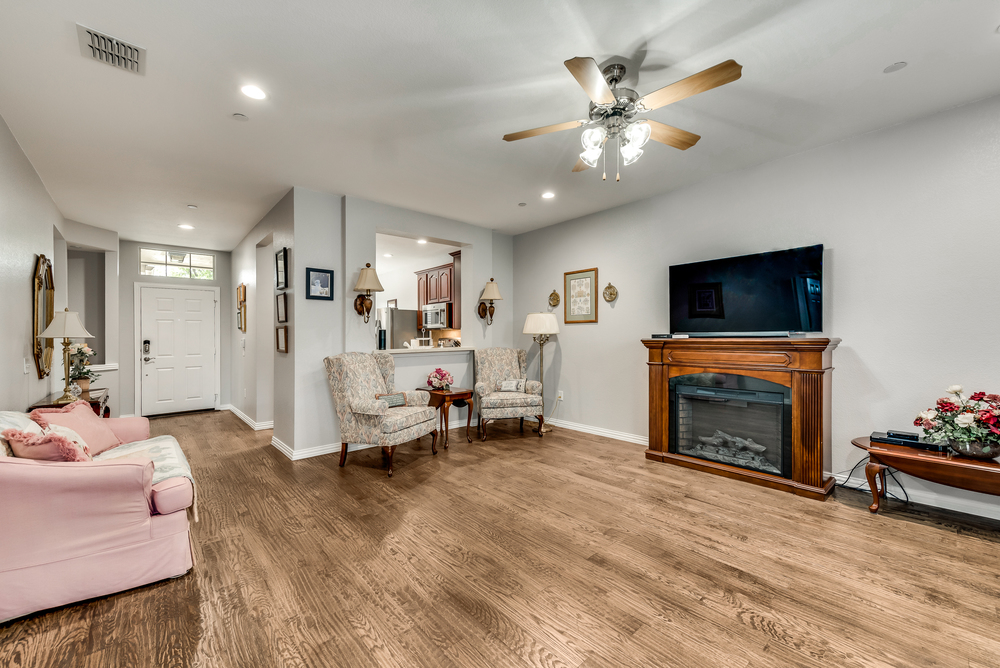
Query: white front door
x=177, y=350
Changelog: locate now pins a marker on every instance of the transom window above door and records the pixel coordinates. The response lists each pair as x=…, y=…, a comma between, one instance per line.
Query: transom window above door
x=176, y=264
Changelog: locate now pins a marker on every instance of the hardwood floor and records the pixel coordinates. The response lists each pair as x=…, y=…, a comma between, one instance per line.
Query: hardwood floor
x=572, y=550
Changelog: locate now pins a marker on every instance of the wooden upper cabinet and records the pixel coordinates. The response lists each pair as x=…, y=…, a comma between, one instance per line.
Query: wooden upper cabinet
x=444, y=284
x=433, y=287
x=421, y=297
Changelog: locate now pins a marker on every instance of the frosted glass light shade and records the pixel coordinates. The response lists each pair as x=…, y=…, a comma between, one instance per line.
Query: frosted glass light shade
x=593, y=138
x=368, y=280
x=492, y=292
x=631, y=153
x=66, y=325
x=591, y=156
x=541, y=323
x=638, y=134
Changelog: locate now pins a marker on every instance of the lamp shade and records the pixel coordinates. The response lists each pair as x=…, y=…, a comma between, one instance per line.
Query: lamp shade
x=66, y=325
x=541, y=323
x=492, y=291
x=368, y=280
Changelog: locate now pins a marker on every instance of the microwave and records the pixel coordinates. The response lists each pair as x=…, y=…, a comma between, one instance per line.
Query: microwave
x=437, y=316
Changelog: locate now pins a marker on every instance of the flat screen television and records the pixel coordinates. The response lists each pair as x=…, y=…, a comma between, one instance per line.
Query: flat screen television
x=766, y=294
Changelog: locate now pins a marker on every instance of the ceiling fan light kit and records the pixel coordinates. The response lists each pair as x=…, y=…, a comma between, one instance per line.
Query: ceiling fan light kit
x=613, y=111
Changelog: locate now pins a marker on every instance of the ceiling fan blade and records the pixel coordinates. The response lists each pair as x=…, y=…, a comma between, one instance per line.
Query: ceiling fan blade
x=558, y=127
x=590, y=77
x=580, y=165
x=671, y=136
x=713, y=77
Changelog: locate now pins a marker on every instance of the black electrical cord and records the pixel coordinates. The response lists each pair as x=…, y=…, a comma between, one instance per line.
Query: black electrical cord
x=866, y=488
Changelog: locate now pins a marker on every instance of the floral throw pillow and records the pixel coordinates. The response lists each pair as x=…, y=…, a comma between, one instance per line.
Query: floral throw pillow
x=59, y=444
x=394, y=400
x=516, y=385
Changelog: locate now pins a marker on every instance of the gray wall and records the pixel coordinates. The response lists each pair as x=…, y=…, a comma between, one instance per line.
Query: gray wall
x=85, y=273
x=908, y=216
x=27, y=218
x=129, y=276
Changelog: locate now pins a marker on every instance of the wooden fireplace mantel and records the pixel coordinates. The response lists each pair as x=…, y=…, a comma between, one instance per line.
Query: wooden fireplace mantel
x=802, y=364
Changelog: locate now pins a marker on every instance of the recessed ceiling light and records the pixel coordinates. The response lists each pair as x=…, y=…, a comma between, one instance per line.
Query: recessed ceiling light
x=254, y=92
x=895, y=67
x=421, y=241
x=192, y=206
x=185, y=226
x=522, y=204
x=548, y=195
x=240, y=117
x=387, y=255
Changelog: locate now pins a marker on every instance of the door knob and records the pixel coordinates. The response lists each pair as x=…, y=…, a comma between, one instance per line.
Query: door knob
x=148, y=359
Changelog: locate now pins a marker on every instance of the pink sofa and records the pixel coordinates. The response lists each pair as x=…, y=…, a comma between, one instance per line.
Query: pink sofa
x=77, y=530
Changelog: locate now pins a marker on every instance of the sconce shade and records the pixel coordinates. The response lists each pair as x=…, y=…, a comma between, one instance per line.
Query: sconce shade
x=541, y=323
x=368, y=280
x=492, y=292
x=66, y=325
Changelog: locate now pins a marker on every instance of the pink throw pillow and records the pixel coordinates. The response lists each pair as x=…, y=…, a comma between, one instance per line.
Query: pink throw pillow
x=52, y=447
x=79, y=417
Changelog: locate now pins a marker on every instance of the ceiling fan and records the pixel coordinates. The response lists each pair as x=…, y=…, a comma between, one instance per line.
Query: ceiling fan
x=613, y=111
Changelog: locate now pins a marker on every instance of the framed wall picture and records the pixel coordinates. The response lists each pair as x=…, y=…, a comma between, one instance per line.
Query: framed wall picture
x=281, y=339
x=391, y=303
x=319, y=284
x=281, y=269
x=580, y=296
x=281, y=301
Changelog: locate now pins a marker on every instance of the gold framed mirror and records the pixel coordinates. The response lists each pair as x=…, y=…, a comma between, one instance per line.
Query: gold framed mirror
x=44, y=297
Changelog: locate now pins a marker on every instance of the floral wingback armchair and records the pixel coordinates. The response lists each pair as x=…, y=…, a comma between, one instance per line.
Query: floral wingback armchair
x=355, y=380
x=494, y=365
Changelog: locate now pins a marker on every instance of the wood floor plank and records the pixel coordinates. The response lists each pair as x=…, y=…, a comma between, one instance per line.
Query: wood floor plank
x=572, y=551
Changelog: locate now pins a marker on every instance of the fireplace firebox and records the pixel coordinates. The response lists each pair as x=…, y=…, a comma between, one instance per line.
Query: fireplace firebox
x=733, y=419
x=753, y=409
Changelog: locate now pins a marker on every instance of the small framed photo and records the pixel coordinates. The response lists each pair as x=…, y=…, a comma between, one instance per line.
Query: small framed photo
x=281, y=269
x=319, y=284
x=281, y=302
x=705, y=301
x=391, y=303
x=580, y=303
x=281, y=339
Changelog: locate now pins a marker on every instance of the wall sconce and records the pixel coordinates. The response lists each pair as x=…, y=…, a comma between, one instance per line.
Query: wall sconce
x=491, y=292
x=367, y=283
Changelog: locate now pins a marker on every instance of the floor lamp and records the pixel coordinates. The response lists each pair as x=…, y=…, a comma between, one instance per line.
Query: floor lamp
x=541, y=326
x=66, y=325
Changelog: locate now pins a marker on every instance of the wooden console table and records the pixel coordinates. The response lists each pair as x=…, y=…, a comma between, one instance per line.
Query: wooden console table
x=98, y=400
x=944, y=468
x=443, y=399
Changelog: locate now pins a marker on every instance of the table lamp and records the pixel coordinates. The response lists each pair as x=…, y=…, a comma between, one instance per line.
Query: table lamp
x=541, y=326
x=66, y=325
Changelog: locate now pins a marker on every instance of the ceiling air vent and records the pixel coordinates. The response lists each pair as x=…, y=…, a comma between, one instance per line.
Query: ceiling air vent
x=114, y=52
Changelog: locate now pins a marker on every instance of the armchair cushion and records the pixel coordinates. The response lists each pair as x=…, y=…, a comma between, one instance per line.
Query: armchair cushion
x=398, y=419
x=417, y=398
x=510, y=400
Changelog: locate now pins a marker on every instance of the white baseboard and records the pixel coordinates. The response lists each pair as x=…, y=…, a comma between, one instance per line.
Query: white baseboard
x=598, y=431
x=928, y=497
x=295, y=455
x=256, y=426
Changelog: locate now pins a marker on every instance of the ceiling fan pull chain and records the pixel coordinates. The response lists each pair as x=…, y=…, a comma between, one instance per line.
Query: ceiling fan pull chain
x=604, y=176
x=618, y=160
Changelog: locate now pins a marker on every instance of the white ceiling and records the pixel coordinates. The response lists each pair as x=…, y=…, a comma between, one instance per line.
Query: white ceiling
x=406, y=252
x=405, y=103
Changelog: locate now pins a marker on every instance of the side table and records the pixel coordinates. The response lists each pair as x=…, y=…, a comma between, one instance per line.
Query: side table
x=98, y=400
x=943, y=468
x=443, y=399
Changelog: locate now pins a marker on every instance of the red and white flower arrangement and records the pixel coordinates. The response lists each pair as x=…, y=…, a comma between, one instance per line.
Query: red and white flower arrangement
x=959, y=419
x=440, y=379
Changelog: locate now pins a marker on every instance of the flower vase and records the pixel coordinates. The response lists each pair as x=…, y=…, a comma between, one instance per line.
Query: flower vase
x=84, y=384
x=974, y=449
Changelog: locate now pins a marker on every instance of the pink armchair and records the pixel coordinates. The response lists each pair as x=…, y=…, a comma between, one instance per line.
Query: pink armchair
x=77, y=530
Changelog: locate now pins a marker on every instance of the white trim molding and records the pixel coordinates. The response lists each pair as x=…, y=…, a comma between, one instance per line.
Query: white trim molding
x=296, y=455
x=102, y=368
x=926, y=497
x=256, y=426
x=598, y=431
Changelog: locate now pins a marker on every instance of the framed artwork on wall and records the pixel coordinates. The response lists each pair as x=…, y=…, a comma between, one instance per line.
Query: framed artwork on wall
x=281, y=269
x=281, y=339
x=241, y=307
x=391, y=303
x=580, y=302
x=319, y=284
x=281, y=302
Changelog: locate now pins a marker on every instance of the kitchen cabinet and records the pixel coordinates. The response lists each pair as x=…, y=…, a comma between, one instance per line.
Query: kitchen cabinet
x=437, y=286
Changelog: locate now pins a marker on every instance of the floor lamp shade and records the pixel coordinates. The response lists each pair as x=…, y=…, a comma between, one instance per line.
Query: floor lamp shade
x=541, y=323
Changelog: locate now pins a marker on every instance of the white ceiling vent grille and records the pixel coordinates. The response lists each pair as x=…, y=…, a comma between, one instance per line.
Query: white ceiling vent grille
x=114, y=52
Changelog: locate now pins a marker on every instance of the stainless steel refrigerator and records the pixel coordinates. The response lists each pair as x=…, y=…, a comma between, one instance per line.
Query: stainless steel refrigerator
x=400, y=326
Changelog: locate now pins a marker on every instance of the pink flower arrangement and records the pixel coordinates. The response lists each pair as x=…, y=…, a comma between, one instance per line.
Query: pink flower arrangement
x=439, y=378
x=963, y=419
